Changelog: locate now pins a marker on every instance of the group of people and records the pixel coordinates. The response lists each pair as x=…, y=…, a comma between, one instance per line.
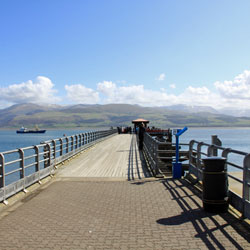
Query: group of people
x=139, y=130
x=124, y=130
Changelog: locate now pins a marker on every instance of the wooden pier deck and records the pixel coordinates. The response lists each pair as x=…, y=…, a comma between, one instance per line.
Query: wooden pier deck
x=103, y=199
x=117, y=157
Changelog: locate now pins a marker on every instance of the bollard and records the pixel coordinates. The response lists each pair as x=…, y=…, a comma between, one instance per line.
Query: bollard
x=215, y=185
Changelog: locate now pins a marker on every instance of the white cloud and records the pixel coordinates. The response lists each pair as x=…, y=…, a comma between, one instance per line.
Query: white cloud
x=198, y=91
x=239, y=88
x=199, y=96
x=234, y=93
x=107, y=88
x=161, y=77
x=39, y=91
x=172, y=86
x=80, y=94
x=135, y=94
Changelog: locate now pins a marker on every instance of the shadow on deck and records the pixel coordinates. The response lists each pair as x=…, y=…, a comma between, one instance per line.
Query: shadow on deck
x=209, y=226
x=137, y=167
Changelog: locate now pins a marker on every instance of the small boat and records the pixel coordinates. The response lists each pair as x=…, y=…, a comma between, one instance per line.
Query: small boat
x=24, y=130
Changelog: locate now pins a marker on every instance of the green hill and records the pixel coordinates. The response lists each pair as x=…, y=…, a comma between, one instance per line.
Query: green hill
x=108, y=115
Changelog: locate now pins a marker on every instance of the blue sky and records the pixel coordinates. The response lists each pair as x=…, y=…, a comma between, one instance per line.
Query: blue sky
x=147, y=52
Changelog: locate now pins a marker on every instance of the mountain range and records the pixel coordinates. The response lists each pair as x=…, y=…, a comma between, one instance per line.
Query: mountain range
x=82, y=115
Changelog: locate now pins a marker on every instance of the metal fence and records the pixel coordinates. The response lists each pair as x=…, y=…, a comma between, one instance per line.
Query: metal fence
x=23, y=167
x=156, y=152
x=160, y=153
x=238, y=160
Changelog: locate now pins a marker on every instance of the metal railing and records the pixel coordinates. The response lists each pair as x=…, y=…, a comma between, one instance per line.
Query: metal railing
x=155, y=153
x=199, y=150
x=23, y=167
x=159, y=153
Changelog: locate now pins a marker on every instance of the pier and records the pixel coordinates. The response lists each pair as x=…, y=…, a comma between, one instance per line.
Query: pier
x=107, y=197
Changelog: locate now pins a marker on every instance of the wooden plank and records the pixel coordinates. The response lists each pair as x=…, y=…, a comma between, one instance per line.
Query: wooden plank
x=116, y=157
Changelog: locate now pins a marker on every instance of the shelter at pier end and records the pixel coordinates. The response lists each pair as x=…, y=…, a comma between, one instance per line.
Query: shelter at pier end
x=139, y=121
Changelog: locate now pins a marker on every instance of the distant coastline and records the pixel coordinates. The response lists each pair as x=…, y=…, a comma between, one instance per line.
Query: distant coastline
x=105, y=116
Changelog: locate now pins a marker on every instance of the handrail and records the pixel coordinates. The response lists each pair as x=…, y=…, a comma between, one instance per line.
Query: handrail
x=198, y=150
x=20, y=168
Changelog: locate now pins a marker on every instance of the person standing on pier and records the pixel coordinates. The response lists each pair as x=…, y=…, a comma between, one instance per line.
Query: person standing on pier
x=141, y=135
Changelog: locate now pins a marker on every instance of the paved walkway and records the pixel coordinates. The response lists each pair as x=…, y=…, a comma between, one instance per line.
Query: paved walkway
x=90, y=213
x=155, y=214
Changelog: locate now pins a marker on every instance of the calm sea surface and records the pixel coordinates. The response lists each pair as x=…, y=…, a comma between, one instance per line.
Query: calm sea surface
x=9, y=139
x=236, y=138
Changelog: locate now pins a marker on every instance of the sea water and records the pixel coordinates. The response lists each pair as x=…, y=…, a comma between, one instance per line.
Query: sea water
x=235, y=138
x=10, y=140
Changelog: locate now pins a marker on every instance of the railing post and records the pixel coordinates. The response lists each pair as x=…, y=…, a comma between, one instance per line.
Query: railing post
x=47, y=155
x=191, y=155
x=37, y=158
x=83, y=139
x=67, y=144
x=72, y=143
x=2, y=171
x=54, y=148
x=246, y=186
x=21, y=155
x=61, y=146
x=217, y=142
x=80, y=140
x=225, y=153
x=76, y=141
x=88, y=138
x=198, y=160
x=156, y=148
